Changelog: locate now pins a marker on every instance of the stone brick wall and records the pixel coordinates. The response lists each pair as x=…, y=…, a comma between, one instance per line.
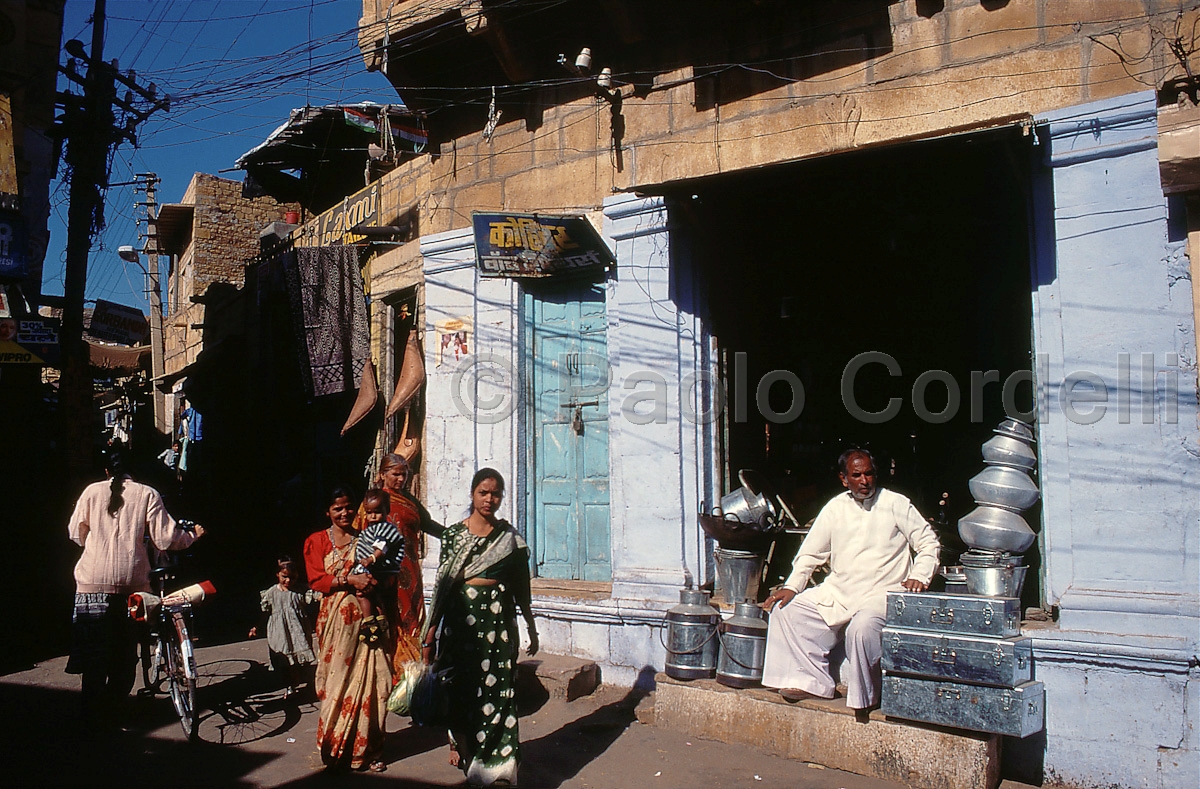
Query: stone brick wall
x=966, y=65
x=225, y=229
x=225, y=232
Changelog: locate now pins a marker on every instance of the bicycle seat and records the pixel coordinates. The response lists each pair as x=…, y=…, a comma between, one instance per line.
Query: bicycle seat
x=160, y=574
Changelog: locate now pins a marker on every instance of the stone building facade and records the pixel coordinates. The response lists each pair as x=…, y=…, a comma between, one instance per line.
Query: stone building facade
x=976, y=183
x=208, y=237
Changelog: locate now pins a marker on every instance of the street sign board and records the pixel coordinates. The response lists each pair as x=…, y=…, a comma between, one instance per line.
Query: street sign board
x=118, y=323
x=538, y=245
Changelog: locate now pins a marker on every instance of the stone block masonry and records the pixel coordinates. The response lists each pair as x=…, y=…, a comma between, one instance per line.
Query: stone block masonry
x=826, y=733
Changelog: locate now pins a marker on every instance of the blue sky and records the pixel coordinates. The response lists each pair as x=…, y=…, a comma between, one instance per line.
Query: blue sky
x=234, y=69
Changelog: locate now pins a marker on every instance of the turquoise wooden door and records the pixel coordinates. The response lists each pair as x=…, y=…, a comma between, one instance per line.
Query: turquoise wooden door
x=568, y=439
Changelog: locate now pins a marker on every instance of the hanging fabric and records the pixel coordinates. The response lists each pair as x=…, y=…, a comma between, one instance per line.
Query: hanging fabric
x=329, y=316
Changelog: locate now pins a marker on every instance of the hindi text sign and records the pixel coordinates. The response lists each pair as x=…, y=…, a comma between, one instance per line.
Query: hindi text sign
x=538, y=245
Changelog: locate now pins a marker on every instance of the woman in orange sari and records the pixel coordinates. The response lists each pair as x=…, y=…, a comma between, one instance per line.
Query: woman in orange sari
x=353, y=676
x=410, y=519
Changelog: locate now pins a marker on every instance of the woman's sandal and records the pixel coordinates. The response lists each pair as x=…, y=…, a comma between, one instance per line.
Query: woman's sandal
x=377, y=766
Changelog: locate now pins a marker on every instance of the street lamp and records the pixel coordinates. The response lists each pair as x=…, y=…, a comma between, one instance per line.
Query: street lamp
x=129, y=254
x=157, y=352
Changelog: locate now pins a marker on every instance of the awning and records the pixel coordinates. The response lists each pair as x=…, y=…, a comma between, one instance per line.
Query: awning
x=321, y=154
x=119, y=358
x=175, y=227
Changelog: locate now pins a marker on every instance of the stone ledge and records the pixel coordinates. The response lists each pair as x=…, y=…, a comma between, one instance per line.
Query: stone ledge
x=826, y=733
x=558, y=676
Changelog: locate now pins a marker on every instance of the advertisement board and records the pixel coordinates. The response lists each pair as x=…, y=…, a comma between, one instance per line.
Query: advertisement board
x=118, y=323
x=13, y=260
x=538, y=245
x=361, y=208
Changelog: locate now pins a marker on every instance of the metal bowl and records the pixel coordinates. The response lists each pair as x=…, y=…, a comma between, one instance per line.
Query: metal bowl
x=735, y=535
x=1003, y=486
x=995, y=581
x=1015, y=428
x=995, y=529
x=1003, y=450
x=744, y=505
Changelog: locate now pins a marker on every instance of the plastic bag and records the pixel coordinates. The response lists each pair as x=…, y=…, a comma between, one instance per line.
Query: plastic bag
x=400, y=699
x=421, y=693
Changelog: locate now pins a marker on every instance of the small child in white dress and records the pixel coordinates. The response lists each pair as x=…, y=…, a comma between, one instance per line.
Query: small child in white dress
x=289, y=632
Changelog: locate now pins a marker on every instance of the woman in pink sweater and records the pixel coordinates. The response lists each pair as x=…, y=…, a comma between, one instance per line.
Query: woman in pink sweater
x=114, y=521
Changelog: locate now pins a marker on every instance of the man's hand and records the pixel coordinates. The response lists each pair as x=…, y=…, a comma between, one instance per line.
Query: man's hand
x=913, y=585
x=782, y=595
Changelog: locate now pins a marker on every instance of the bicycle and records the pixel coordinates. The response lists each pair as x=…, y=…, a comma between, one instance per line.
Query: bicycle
x=168, y=652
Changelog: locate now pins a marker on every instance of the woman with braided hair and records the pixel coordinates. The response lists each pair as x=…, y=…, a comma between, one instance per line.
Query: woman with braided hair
x=115, y=522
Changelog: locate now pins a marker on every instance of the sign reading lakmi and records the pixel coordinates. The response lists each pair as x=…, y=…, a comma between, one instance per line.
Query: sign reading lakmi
x=537, y=245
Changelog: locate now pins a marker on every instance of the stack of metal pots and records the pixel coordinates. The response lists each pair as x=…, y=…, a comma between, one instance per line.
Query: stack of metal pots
x=995, y=531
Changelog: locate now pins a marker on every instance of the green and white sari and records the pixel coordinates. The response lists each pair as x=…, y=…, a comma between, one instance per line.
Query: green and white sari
x=479, y=643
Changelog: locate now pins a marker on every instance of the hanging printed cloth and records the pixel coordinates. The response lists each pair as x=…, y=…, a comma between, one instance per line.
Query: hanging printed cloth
x=329, y=313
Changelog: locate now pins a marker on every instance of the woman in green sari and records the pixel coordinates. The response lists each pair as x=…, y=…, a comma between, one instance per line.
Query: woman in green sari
x=482, y=579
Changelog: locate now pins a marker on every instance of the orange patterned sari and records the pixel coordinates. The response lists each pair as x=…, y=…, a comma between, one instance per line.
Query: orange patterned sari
x=353, y=678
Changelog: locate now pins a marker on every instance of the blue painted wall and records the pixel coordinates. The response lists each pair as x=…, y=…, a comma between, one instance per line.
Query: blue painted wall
x=1113, y=324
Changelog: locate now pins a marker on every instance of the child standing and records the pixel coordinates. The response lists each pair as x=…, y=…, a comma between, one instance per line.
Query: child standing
x=379, y=551
x=289, y=639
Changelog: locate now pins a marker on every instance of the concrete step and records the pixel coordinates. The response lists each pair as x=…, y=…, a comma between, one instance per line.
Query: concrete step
x=826, y=733
x=557, y=676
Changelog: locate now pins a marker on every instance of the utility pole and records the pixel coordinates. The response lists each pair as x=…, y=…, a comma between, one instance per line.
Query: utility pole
x=89, y=127
x=157, y=351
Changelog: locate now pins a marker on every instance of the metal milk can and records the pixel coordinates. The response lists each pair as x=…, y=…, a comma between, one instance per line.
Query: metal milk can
x=743, y=640
x=692, y=636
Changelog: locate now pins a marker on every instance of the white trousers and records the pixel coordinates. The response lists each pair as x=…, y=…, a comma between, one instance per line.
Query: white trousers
x=798, y=646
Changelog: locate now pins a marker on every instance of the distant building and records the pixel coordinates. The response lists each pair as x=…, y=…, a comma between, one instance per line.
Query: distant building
x=208, y=237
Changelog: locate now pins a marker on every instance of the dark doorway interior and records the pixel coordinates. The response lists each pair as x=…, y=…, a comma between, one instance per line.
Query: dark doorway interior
x=919, y=251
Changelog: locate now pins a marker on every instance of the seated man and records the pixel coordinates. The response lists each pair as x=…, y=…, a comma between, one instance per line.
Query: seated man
x=866, y=535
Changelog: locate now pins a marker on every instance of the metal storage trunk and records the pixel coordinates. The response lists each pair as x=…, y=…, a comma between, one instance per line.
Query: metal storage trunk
x=1006, y=662
x=972, y=615
x=1016, y=712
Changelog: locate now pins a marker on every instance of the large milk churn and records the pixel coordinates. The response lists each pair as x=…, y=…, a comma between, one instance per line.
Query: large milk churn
x=743, y=647
x=692, y=636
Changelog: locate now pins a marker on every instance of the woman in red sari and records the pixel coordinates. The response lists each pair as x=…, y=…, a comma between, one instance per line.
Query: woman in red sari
x=410, y=519
x=353, y=677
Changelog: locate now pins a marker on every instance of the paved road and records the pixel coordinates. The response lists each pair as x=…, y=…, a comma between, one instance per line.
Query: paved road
x=251, y=736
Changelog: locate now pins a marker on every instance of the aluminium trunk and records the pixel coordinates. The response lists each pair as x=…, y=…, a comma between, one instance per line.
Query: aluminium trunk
x=968, y=614
x=1015, y=712
x=1003, y=662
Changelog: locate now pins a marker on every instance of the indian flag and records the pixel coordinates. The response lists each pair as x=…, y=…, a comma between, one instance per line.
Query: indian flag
x=360, y=119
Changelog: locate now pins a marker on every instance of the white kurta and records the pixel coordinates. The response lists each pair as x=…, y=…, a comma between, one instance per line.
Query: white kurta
x=869, y=547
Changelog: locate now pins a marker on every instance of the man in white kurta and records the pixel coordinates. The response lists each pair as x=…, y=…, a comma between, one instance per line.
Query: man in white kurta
x=869, y=536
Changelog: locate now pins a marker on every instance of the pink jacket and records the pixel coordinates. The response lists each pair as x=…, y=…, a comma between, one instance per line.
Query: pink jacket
x=114, y=559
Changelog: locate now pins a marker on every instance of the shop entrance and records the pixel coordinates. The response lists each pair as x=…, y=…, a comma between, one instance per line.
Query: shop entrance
x=918, y=253
x=567, y=450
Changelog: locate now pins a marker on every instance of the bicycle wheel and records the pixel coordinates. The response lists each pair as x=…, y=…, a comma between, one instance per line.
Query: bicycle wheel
x=181, y=674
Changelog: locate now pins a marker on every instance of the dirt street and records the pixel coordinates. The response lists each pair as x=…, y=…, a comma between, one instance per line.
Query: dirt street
x=251, y=736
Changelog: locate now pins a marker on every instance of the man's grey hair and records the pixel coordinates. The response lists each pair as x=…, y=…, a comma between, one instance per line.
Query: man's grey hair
x=844, y=458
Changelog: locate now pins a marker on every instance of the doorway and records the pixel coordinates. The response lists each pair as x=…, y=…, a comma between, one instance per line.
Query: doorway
x=566, y=352
x=917, y=252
